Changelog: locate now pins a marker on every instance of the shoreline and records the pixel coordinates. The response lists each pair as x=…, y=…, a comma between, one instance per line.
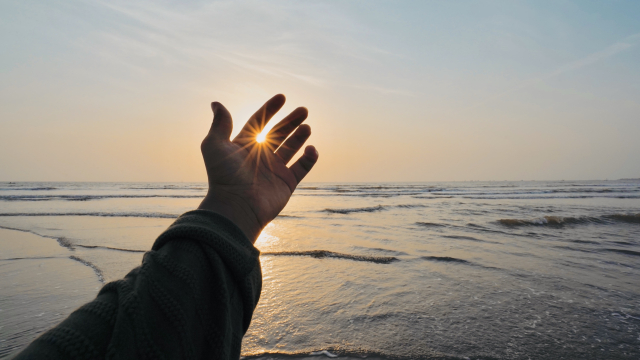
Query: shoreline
x=41, y=285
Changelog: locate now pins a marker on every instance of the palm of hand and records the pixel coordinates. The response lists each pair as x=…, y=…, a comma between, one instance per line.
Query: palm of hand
x=249, y=182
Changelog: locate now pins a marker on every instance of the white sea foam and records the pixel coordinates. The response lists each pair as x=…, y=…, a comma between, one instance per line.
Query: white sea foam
x=323, y=352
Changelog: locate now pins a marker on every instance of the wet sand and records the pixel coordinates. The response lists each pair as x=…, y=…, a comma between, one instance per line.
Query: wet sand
x=41, y=285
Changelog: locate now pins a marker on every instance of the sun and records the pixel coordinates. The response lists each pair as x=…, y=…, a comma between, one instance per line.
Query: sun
x=261, y=137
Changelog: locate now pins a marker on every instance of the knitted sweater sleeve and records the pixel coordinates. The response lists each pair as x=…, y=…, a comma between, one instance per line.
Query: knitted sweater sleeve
x=192, y=298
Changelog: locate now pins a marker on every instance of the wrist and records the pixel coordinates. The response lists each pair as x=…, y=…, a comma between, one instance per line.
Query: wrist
x=234, y=210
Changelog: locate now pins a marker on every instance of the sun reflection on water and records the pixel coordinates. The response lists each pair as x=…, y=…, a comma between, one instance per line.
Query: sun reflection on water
x=266, y=239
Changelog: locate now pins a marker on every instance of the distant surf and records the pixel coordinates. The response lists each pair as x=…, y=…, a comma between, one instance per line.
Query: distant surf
x=89, y=197
x=101, y=214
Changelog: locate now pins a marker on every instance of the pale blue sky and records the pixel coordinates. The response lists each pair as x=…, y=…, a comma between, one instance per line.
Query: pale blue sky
x=397, y=91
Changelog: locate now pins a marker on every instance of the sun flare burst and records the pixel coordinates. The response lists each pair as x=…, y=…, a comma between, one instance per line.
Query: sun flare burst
x=261, y=137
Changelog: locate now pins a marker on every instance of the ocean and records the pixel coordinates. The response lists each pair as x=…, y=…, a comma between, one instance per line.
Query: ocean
x=460, y=270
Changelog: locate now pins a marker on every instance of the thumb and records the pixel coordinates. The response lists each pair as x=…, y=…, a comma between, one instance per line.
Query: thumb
x=222, y=123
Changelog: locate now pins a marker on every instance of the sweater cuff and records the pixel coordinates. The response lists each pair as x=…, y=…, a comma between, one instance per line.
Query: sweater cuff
x=218, y=232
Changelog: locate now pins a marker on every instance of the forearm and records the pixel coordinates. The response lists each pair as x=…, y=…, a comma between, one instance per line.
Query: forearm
x=192, y=297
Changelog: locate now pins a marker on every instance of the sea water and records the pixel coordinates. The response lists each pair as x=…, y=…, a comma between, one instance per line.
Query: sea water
x=508, y=270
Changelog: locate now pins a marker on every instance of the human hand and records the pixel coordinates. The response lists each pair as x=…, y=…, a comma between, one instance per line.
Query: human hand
x=249, y=181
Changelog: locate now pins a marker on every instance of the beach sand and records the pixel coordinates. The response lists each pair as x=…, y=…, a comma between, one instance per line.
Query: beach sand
x=41, y=285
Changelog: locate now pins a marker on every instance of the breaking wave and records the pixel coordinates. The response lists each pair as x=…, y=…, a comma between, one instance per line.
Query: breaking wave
x=320, y=254
x=444, y=259
x=165, y=187
x=410, y=206
x=380, y=250
x=623, y=251
x=628, y=218
x=355, y=210
x=461, y=237
x=569, y=220
x=372, y=208
x=537, y=197
x=428, y=224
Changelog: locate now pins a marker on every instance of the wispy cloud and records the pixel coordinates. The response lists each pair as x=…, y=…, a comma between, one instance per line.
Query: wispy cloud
x=382, y=90
x=309, y=42
x=612, y=50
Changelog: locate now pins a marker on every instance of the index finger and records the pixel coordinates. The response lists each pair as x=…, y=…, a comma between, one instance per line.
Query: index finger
x=257, y=122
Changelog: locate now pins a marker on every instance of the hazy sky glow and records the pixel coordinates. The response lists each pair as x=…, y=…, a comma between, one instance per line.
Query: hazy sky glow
x=397, y=91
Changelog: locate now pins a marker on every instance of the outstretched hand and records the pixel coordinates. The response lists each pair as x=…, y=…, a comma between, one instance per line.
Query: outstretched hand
x=249, y=181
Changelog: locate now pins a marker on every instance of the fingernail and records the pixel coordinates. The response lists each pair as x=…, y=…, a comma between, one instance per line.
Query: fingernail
x=308, y=149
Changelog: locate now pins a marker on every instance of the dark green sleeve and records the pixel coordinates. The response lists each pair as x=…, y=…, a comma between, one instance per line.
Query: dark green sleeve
x=192, y=298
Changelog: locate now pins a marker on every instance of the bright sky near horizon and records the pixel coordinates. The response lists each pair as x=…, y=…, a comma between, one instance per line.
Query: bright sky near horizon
x=397, y=91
